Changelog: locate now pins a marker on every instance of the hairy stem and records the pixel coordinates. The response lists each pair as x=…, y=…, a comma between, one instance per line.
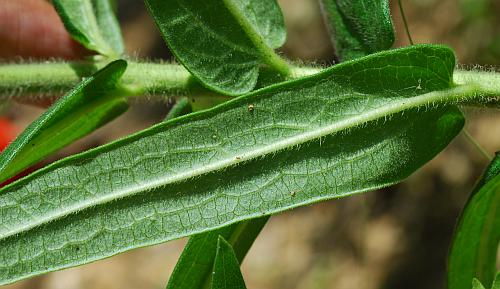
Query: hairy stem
x=51, y=79
x=43, y=80
x=56, y=78
x=484, y=87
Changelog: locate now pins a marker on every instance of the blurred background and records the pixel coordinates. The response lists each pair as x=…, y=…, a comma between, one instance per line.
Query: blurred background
x=393, y=238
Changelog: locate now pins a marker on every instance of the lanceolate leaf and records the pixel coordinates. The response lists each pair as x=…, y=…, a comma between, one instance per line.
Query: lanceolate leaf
x=92, y=103
x=474, y=250
x=211, y=42
x=330, y=135
x=359, y=27
x=195, y=266
x=227, y=274
x=93, y=24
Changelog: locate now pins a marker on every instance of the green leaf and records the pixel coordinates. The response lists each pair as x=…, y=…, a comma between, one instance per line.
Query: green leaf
x=194, y=268
x=359, y=27
x=93, y=24
x=265, y=18
x=476, y=284
x=181, y=107
x=94, y=102
x=353, y=128
x=496, y=283
x=223, y=52
x=474, y=250
x=227, y=274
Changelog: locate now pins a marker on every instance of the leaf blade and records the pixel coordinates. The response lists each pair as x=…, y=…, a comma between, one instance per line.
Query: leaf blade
x=194, y=267
x=476, y=284
x=82, y=110
x=230, y=63
x=93, y=24
x=359, y=27
x=475, y=244
x=227, y=274
x=109, y=26
x=496, y=282
x=265, y=18
x=304, y=141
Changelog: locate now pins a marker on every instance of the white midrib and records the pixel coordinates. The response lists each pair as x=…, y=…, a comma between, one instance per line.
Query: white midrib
x=451, y=95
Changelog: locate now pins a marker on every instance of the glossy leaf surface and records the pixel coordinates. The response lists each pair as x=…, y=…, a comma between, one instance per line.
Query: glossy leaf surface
x=91, y=104
x=337, y=133
x=474, y=249
x=93, y=24
x=226, y=274
x=217, y=50
x=359, y=27
x=195, y=266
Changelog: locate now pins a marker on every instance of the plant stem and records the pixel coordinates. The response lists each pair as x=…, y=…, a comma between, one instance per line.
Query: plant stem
x=43, y=80
x=477, y=146
x=401, y=10
x=56, y=78
x=267, y=53
x=24, y=81
x=484, y=87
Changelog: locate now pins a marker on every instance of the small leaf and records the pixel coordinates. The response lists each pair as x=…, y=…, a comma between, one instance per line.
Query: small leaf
x=496, y=282
x=194, y=268
x=181, y=107
x=93, y=24
x=476, y=284
x=352, y=128
x=227, y=274
x=474, y=250
x=359, y=27
x=218, y=50
x=91, y=104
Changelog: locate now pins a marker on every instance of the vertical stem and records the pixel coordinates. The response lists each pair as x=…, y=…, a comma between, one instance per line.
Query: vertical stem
x=404, y=21
x=476, y=145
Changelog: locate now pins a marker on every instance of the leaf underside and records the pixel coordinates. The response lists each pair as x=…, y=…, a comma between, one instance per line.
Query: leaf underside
x=216, y=50
x=93, y=24
x=326, y=136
